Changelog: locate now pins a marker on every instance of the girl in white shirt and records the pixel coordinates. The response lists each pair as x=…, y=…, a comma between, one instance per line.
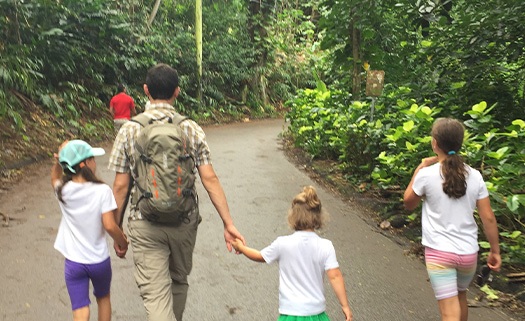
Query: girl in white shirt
x=303, y=259
x=87, y=206
x=451, y=191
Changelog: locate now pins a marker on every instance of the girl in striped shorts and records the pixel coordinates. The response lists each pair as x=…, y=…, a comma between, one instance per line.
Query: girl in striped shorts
x=451, y=191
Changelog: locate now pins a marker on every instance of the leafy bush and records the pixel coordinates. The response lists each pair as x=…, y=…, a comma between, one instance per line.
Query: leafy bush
x=328, y=125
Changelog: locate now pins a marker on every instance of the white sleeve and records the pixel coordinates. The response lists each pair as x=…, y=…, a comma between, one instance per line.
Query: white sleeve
x=419, y=183
x=483, y=191
x=331, y=259
x=271, y=253
x=107, y=202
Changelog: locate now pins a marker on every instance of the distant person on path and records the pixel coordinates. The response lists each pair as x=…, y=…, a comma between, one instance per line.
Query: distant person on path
x=87, y=206
x=451, y=191
x=163, y=253
x=303, y=259
x=121, y=107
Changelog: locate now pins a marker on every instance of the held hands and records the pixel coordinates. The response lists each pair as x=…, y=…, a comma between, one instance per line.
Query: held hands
x=122, y=249
x=231, y=235
x=237, y=244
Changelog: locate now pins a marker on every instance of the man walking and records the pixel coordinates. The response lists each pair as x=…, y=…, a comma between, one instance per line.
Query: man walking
x=163, y=252
x=121, y=107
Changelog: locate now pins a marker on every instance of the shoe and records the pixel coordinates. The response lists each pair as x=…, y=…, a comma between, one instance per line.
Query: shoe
x=483, y=276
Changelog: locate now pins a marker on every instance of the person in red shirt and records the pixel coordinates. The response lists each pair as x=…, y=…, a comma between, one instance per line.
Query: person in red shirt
x=121, y=107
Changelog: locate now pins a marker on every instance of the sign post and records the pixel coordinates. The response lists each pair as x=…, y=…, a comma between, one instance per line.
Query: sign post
x=375, y=80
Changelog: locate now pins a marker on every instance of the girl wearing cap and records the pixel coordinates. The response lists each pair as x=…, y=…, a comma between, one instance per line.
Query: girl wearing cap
x=87, y=206
x=304, y=258
x=451, y=191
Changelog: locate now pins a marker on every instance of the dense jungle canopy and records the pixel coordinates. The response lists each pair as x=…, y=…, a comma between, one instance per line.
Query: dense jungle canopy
x=60, y=62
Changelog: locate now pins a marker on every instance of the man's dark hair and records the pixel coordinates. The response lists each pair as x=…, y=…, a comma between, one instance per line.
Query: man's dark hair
x=120, y=88
x=162, y=80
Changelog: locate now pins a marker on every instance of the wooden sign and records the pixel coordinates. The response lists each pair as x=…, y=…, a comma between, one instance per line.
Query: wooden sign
x=375, y=80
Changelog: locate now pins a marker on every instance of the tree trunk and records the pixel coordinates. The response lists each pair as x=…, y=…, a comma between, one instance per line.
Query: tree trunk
x=198, y=43
x=257, y=30
x=356, y=74
x=153, y=13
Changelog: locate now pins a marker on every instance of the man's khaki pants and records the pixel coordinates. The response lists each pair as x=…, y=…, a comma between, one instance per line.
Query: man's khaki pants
x=163, y=260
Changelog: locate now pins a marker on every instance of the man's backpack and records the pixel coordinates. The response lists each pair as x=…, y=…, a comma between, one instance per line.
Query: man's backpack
x=163, y=171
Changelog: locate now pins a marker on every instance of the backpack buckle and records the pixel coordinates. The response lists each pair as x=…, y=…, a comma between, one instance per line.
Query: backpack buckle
x=145, y=159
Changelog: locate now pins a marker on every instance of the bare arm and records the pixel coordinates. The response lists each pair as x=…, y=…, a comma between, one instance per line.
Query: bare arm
x=249, y=252
x=112, y=111
x=56, y=174
x=410, y=198
x=490, y=227
x=108, y=220
x=120, y=191
x=56, y=169
x=218, y=198
x=338, y=284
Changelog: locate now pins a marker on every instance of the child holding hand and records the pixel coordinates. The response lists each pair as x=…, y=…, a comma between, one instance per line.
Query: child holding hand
x=87, y=206
x=303, y=259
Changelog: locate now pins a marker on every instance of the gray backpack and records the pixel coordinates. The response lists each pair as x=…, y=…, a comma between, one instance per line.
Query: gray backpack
x=164, y=171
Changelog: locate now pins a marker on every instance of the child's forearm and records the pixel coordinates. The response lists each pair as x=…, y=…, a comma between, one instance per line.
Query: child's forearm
x=252, y=254
x=108, y=221
x=490, y=225
x=118, y=236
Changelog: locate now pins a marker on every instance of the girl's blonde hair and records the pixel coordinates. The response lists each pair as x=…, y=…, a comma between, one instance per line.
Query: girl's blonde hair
x=306, y=212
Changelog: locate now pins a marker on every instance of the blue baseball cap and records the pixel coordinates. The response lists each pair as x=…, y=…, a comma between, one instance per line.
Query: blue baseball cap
x=75, y=152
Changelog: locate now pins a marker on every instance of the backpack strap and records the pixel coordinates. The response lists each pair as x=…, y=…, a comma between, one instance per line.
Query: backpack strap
x=178, y=118
x=141, y=119
x=144, y=120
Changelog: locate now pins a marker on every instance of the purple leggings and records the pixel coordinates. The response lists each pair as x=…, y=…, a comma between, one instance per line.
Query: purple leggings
x=77, y=281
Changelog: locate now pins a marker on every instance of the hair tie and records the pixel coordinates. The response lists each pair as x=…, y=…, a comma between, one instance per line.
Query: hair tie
x=452, y=152
x=83, y=164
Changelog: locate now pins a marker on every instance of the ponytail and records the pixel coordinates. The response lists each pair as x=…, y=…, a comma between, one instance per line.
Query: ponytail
x=448, y=134
x=454, y=176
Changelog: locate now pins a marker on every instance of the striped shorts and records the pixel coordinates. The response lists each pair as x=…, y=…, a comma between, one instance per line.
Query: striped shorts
x=449, y=273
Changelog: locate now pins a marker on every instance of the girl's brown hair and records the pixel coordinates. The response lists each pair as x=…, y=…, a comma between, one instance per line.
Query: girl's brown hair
x=306, y=212
x=448, y=134
x=80, y=169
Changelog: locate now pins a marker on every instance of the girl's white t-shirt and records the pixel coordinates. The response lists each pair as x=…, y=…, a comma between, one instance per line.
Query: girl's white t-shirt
x=303, y=258
x=448, y=224
x=81, y=235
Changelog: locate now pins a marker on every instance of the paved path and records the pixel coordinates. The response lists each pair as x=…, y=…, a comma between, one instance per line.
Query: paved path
x=382, y=283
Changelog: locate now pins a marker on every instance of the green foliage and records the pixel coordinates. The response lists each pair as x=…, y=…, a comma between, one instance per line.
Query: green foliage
x=327, y=124
x=68, y=55
x=453, y=53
